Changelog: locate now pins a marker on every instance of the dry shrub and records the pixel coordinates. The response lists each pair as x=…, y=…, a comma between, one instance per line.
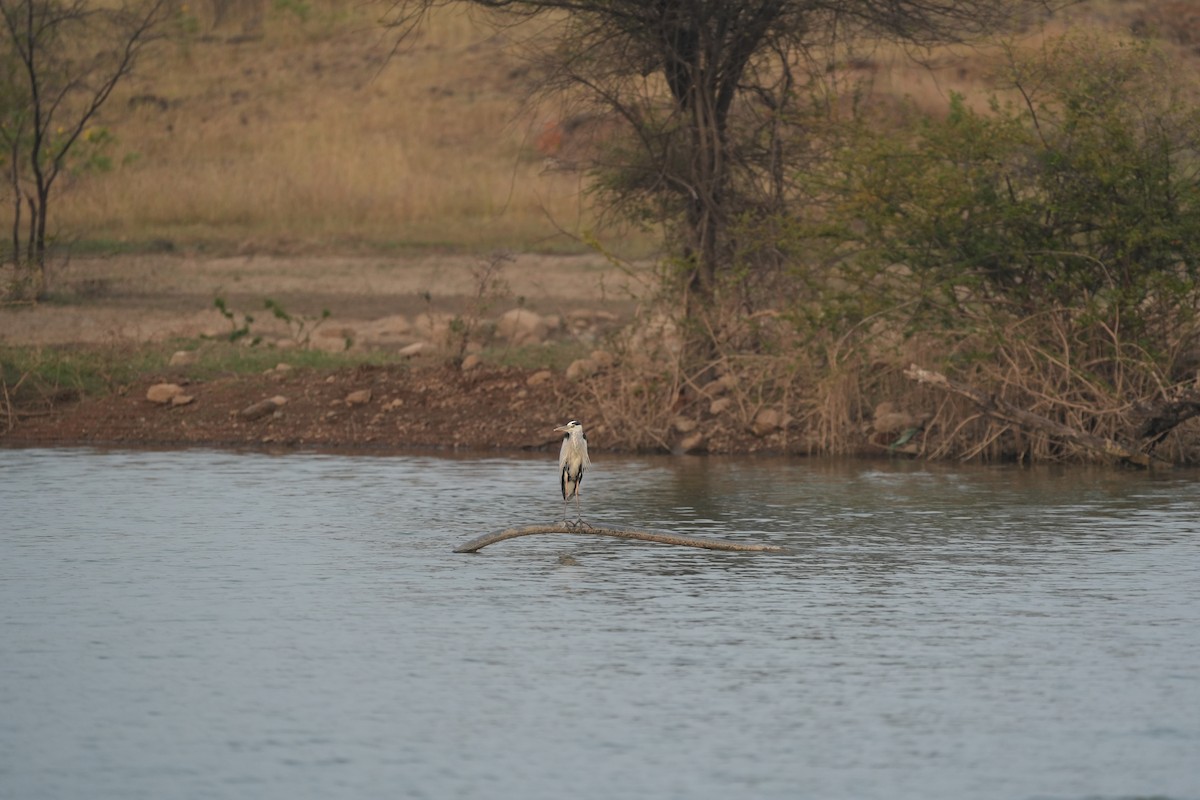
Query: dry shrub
x=669, y=367
x=638, y=399
x=1086, y=377
x=1082, y=374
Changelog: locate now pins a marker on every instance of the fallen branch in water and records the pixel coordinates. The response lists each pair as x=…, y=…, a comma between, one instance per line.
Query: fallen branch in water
x=995, y=407
x=1163, y=416
x=662, y=537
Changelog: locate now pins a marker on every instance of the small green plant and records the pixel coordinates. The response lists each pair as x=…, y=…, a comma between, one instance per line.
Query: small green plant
x=298, y=8
x=186, y=23
x=238, y=329
x=490, y=288
x=301, y=327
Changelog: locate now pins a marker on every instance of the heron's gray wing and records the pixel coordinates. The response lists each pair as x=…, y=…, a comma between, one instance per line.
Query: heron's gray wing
x=587, y=462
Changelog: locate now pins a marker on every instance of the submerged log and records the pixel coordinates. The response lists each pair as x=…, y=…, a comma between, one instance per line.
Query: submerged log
x=662, y=537
x=1000, y=409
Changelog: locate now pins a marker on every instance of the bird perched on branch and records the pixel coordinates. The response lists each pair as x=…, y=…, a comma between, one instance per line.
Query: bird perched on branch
x=572, y=461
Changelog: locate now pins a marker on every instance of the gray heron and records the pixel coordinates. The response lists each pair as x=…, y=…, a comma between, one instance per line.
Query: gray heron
x=572, y=461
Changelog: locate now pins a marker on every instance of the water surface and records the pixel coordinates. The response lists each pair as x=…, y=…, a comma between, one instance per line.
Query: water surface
x=219, y=624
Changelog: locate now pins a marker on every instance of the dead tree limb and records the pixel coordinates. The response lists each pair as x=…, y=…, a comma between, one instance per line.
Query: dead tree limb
x=662, y=537
x=1000, y=409
x=1163, y=417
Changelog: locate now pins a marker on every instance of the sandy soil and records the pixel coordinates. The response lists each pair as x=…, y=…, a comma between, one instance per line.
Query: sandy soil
x=157, y=297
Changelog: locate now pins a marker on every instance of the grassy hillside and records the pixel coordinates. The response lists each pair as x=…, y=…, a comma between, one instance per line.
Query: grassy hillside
x=308, y=126
x=320, y=130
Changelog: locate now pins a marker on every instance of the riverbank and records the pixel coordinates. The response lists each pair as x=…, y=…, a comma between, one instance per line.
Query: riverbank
x=389, y=407
x=434, y=351
x=385, y=377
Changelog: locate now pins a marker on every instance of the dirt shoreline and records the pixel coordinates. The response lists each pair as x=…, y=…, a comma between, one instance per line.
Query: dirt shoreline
x=423, y=403
x=393, y=408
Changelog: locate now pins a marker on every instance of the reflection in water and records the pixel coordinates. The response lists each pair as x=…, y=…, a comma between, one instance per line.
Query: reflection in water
x=226, y=624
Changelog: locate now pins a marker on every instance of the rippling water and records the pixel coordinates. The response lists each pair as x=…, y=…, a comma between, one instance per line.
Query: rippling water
x=217, y=624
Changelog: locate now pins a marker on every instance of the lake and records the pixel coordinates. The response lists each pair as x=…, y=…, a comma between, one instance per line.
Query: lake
x=211, y=624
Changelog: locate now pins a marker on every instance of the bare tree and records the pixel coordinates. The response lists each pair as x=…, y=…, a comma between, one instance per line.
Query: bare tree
x=59, y=62
x=705, y=87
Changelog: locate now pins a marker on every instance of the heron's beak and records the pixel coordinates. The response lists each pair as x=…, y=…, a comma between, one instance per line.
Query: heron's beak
x=561, y=429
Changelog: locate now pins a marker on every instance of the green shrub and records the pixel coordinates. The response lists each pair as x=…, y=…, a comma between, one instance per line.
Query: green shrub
x=1044, y=246
x=1079, y=189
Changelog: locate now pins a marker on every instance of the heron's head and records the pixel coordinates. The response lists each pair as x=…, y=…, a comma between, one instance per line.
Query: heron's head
x=570, y=426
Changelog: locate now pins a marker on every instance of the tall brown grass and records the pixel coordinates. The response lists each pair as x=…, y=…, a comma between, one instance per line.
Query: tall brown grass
x=327, y=130
x=323, y=128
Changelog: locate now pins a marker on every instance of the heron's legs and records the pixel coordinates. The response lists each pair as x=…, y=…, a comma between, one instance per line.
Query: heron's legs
x=567, y=521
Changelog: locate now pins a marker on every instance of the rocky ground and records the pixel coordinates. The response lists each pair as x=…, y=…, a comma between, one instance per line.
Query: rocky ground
x=386, y=407
x=400, y=307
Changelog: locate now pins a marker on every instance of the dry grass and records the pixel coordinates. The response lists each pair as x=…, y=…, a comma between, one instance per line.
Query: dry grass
x=319, y=131
x=927, y=78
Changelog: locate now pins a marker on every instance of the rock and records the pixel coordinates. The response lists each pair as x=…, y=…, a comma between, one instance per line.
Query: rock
x=163, y=393
x=181, y=358
x=683, y=424
x=331, y=341
x=279, y=371
x=359, y=398
x=471, y=362
x=720, y=405
x=415, y=349
x=539, y=377
x=580, y=368
x=767, y=421
x=433, y=326
x=715, y=388
x=656, y=337
x=389, y=331
x=521, y=326
x=263, y=408
x=602, y=358
x=590, y=315
x=393, y=404
x=690, y=443
x=888, y=419
x=182, y=400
